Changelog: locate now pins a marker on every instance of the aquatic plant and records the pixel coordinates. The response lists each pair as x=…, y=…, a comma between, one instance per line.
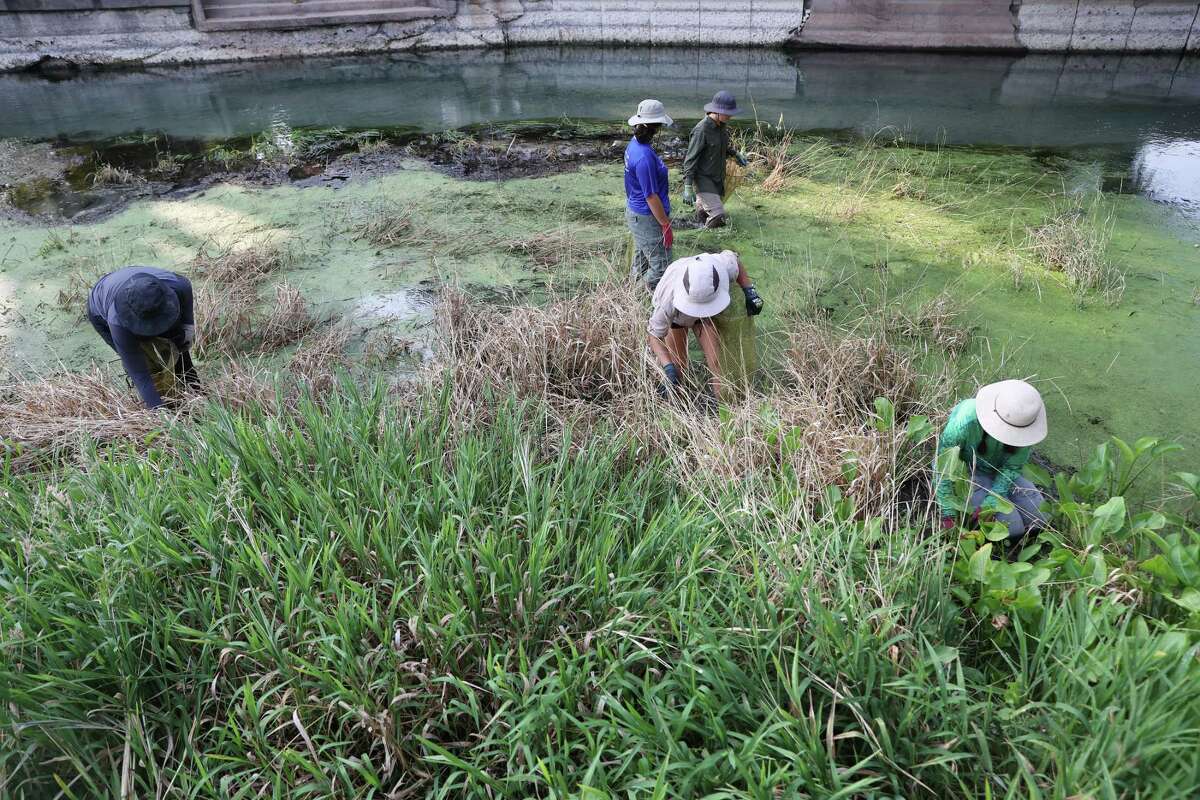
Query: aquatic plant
x=387, y=223
x=235, y=322
x=1075, y=242
x=110, y=175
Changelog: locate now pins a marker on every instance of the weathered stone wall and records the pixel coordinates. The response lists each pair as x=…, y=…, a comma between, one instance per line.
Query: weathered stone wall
x=1057, y=26
x=159, y=31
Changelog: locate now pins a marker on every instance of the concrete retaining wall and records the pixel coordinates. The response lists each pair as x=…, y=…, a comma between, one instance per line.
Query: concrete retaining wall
x=159, y=31
x=1055, y=26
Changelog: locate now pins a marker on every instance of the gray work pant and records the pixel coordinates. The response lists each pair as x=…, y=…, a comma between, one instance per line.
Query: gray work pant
x=1025, y=497
x=650, y=256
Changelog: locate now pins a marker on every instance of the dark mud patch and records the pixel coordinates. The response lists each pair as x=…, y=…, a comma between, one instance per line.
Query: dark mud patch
x=63, y=181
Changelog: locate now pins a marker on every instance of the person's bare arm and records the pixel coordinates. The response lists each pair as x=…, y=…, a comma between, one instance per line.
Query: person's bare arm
x=656, y=208
x=743, y=277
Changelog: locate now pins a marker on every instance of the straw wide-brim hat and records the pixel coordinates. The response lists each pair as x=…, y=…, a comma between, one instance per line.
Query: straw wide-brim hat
x=651, y=112
x=702, y=289
x=1012, y=412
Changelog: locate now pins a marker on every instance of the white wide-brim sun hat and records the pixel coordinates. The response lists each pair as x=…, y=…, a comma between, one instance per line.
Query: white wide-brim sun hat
x=702, y=289
x=1012, y=412
x=651, y=112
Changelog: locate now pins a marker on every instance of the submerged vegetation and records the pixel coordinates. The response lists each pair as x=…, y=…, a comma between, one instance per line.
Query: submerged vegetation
x=517, y=573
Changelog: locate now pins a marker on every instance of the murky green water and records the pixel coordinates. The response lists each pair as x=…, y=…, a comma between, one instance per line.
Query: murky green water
x=1140, y=111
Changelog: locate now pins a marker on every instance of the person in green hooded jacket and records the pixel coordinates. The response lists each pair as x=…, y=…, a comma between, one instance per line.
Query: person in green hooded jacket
x=993, y=435
x=704, y=164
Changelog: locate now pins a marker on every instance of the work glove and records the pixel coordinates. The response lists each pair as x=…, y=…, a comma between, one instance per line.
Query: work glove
x=689, y=194
x=754, y=303
x=741, y=160
x=668, y=236
x=670, y=384
x=189, y=336
x=948, y=523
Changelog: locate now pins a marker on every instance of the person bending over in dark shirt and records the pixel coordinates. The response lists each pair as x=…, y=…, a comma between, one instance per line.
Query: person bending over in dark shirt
x=134, y=305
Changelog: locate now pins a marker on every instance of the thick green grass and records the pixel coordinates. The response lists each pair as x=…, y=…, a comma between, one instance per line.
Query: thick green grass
x=368, y=599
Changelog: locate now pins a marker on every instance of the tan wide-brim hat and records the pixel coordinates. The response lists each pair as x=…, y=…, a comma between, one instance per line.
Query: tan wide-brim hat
x=1012, y=412
x=702, y=288
x=651, y=112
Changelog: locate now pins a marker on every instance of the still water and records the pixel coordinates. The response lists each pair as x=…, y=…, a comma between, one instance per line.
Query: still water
x=1142, y=110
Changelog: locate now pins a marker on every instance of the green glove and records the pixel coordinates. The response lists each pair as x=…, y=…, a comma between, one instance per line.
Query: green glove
x=741, y=160
x=689, y=194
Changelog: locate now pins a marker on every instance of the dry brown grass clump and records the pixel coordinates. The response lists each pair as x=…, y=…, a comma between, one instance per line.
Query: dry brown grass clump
x=845, y=371
x=583, y=350
x=783, y=163
x=54, y=417
x=386, y=223
x=250, y=264
x=565, y=246
x=109, y=175
x=320, y=356
x=232, y=320
x=585, y=357
x=937, y=324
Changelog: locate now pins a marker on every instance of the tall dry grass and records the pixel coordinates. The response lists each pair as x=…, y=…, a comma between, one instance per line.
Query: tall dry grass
x=584, y=356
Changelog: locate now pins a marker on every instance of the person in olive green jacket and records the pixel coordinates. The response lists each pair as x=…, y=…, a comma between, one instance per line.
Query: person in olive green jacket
x=993, y=434
x=704, y=164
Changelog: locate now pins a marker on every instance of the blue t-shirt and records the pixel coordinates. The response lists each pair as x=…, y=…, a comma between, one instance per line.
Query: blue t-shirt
x=645, y=174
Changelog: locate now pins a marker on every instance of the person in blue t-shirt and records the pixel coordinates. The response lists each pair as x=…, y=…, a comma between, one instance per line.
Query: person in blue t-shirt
x=647, y=206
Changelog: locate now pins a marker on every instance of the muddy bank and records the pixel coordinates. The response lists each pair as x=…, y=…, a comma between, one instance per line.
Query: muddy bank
x=64, y=181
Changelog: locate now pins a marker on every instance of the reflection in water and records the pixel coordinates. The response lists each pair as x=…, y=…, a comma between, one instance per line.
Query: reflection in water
x=1148, y=106
x=1168, y=170
x=1030, y=101
x=405, y=304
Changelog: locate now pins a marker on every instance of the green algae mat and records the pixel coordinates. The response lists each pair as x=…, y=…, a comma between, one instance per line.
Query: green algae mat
x=848, y=221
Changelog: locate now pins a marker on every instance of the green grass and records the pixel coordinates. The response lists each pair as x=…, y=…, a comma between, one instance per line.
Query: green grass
x=364, y=598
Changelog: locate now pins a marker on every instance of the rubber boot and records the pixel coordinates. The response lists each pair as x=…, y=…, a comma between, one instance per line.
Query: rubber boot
x=716, y=222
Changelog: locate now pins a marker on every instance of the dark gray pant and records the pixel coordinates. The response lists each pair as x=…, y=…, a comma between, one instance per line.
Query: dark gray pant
x=1025, y=497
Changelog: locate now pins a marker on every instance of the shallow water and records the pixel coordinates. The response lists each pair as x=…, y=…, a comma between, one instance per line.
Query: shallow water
x=1139, y=112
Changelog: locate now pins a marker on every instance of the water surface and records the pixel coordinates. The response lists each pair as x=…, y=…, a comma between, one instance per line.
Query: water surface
x=1143, y=111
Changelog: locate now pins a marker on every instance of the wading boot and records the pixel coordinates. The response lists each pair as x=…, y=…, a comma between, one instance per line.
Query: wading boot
x=715, y=222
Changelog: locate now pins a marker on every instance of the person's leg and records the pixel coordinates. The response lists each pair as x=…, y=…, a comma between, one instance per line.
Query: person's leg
x=652, y=256
x=711, y=203
x=639, y=263
x=1028, y=500
x=659, y=257
x=677, y=345
x=710, y=344
x=981, y=483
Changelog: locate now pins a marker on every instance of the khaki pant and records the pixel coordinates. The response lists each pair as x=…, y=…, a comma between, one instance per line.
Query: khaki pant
x=710, y=203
